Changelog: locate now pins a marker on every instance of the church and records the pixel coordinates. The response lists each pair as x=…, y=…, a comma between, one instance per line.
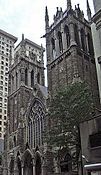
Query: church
x=70, y=58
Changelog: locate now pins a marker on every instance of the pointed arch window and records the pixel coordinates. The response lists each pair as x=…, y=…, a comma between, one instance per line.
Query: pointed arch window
x=32, y=78
x=66, y=164
x=26, y=76
x=36, y=131
x=53, y=47
x=66, y=30
x=76, y=33
x=90, y=44
x=83, y=44
x=38, y=78
x=60, y=41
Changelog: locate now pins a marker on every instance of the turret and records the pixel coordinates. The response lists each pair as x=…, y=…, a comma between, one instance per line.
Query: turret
x=46, y=19
x=88, y=12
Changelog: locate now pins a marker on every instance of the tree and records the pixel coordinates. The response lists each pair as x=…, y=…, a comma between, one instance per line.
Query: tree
x=69, y=107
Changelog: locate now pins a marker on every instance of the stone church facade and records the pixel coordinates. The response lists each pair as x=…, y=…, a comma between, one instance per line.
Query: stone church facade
x=70, y=58
x=26, y=110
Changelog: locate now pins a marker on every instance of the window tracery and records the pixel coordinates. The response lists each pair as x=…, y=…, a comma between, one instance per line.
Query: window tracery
x=36, y=124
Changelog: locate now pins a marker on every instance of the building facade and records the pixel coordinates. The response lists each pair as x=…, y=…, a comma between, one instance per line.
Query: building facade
x=26, y=110
x=6, y=49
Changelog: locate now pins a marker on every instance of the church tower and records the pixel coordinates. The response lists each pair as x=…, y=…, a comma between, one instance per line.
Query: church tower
x=70, y=55
x=25, y=109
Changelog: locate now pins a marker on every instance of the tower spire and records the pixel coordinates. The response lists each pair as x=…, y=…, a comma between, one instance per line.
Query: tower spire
x=88, y=12
x=69, y=5
x=46, y=18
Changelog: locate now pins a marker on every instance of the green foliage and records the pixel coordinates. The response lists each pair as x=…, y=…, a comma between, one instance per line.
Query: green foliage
x=68, y=108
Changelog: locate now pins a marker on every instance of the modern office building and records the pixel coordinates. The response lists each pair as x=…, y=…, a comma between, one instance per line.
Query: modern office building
x=6, y=49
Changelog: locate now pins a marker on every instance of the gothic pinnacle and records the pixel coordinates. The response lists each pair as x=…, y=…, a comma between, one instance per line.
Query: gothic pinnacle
x=88, y=12
x=68, y=5
x=46, y=17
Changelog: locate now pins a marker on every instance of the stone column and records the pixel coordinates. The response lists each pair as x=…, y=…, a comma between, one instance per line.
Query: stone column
x=79, y=35
x=29, y=78
x=18, y=78
x=11, y=84
x=33, y=166
x=22, y=169
x=86, y=41
x=16, y=172
x=56, y=43
x=44, y=167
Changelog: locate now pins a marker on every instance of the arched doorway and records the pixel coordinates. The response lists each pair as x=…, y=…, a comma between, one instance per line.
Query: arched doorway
x=28, y=163
x=11, y=166
x=37, y=162
x=19, y=163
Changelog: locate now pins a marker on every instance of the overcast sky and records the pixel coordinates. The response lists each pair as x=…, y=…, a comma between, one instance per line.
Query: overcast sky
x=27, y=16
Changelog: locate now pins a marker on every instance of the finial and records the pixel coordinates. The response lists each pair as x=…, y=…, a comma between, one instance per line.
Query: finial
x=46, y=14
x=57, y=8
x=22, y=36
x=61, y=9
x=69, y=5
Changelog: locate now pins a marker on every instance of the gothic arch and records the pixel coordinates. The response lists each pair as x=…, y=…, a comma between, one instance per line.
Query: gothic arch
x=19, y=163
x=60, y=41
x=83, y=43
x=66, y=30
x=53, y=43
x=28, y=162
x=11, y=165
x=76, y=33
x=65, y=160
x=36, y=122
x=37, y=162
x=90, y=44
x=53, y=47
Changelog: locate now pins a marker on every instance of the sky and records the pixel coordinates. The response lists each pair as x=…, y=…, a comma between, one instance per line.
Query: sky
x=27, y=16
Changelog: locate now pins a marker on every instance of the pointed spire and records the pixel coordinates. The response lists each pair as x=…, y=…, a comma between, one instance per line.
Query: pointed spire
x=46, y=18
x=88, y=12
x=69, y=5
